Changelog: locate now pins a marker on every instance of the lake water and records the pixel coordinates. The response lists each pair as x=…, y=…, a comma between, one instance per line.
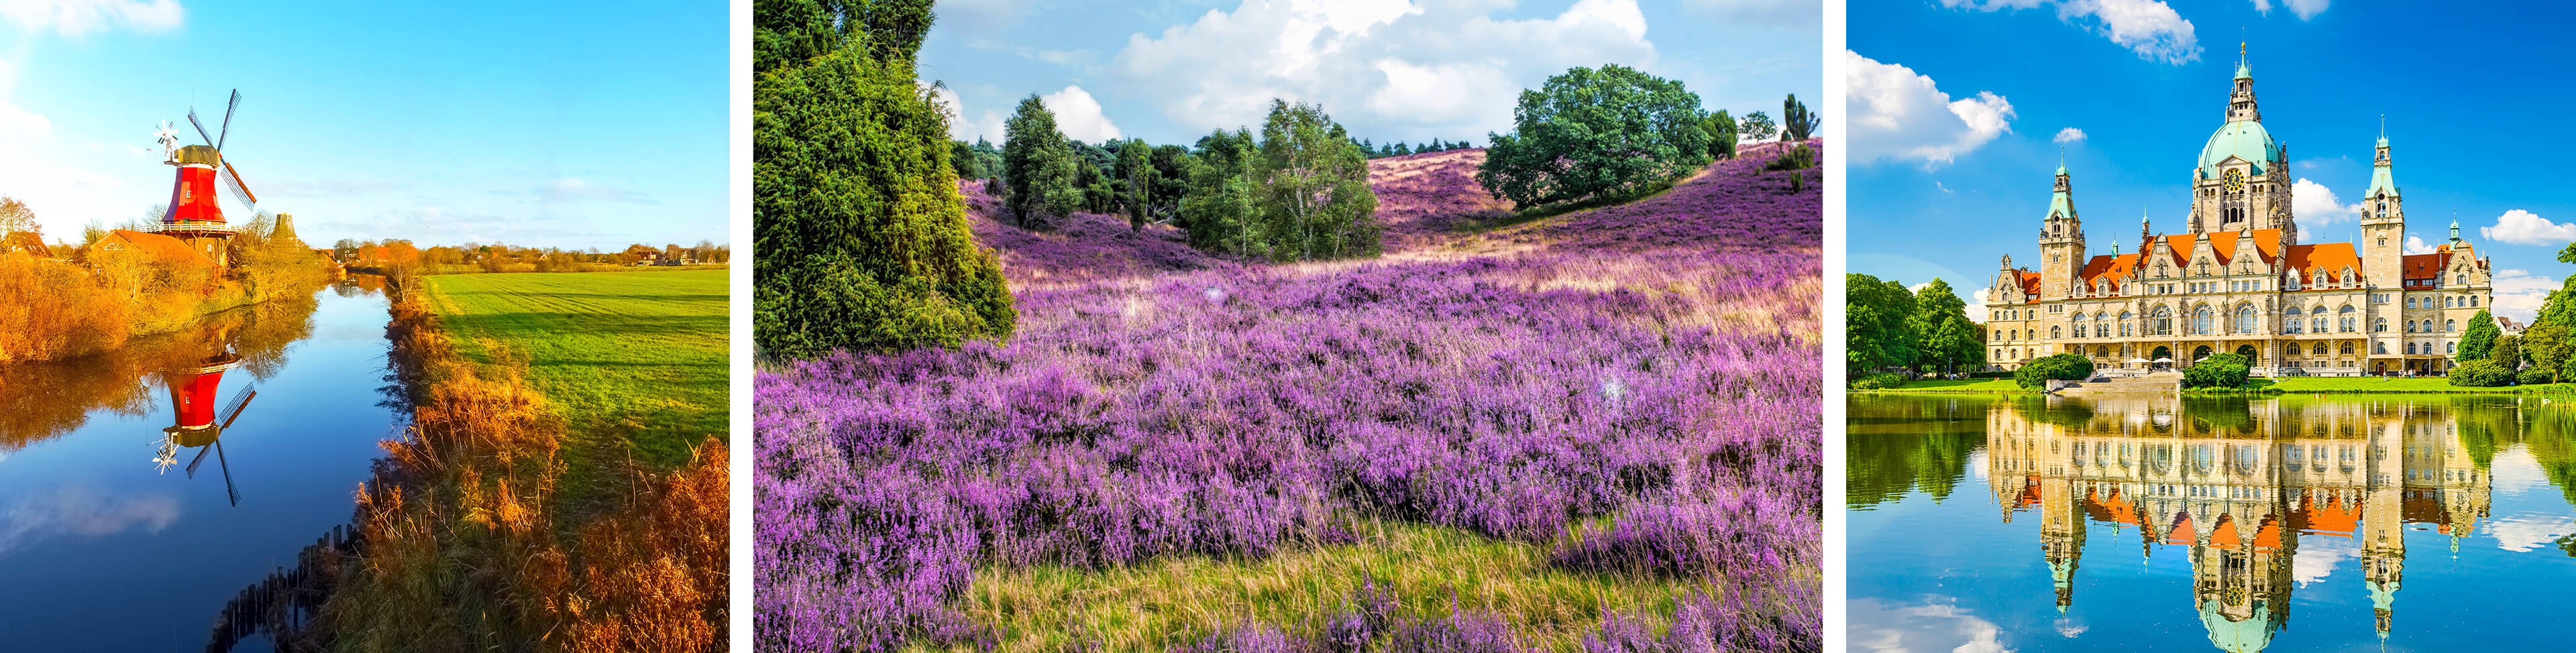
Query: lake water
x=2354, y=523
x=109, y=543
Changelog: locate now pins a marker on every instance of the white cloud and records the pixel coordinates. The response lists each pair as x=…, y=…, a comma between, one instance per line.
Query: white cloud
x=2150, y=28
x=2416, y=245
x=2305, y=9
x=2523, y=533
x=2519, y=293
x=82, y=511
x=2318, y=556
x=2069, y=136
x=2522, y=227
x=1394, y=69
x=1078, y=115
x=575, y=189
x=1936, y=625
x=987, y=126
x=1936, y=183
x=1896, y=114
x=1805, y=14
x=1977, y=299
x=64, y=195
x=80, y=17
x=2311, y=203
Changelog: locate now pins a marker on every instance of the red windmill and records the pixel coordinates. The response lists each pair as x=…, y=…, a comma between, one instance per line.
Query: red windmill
x=194, y=217
x=193, y=388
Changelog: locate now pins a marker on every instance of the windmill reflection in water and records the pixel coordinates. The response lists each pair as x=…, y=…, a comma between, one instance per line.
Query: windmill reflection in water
x=193, y=396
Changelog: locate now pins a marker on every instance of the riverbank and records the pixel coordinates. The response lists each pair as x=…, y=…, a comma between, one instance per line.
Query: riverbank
x=466, y=546
x=56, y=310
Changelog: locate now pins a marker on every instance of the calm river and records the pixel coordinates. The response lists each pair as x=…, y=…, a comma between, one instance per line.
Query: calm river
x=108, y=541
x=2355, y=523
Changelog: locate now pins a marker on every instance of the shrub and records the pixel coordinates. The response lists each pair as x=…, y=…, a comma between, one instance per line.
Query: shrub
x=1594, y=133
x=1301, y=192
x=2068, y=367
x=2481, y=374
x=1879, y=381
x=863, y=237
x=2220, y=371
x=2534, y=376
x=1797, y=157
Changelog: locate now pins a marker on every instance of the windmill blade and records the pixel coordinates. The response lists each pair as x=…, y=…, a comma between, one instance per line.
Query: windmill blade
x=233, y=182
x=234, y=412
x=201, y=127
x=199, y=460
x=229, y=490
x=227, y=131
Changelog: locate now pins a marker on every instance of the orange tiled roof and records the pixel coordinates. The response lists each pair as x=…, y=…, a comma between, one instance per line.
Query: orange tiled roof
x=25, y=241
x=2425, y=266
x=2330, y=258
x=2029, y=284
x=161, y=246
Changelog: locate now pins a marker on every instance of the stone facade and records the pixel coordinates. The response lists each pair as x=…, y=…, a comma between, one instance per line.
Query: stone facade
x=2239, y=280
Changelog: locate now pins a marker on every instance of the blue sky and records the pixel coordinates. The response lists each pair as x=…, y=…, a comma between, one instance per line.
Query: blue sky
x=1958, y=109
x=560, y=124
x=1170, y=71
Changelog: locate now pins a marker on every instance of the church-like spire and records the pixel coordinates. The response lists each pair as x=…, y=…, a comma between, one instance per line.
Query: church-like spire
x=2244, y=69
x=2383, y=177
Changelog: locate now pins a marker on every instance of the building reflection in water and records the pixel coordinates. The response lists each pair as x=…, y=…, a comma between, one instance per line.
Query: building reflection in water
x=2235, y=489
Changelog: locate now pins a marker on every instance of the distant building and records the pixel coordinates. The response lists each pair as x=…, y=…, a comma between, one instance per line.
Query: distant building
x=644, y=255
x=25, y=242
x=128, y=243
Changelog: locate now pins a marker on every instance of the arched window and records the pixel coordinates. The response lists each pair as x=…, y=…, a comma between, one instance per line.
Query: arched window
x=2317, y=323
x=2319, y=349
x=2379, y=325
x=2473, y=301
x=2410, y=348
x=2450, y=302
x=2461, y=279
x=2290, y=321
x=2101, y=327
x=2383, y=208
x=2125, y=323
x=2410, y=326
x=2244, y=318
x=2162, y=322
x=2410, y=302
x=2101, y=352
x=2380, y=348
x=2200, y=320
x=2056, y=332
x=2451, y=347
x=2346, y=321
x=2347, y=349
x=2452, y=326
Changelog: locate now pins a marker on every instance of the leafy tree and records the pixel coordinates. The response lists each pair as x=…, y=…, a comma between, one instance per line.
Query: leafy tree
x=1796, y=122
x=2067, y=367
x=2480, y=338
x=1756, y=126
x=1721, y=134
x=15, y=216
x=1589, y=133
x=1944, y=339
x=1038, y=165
x=1137, y=177
x=862, y=232
x=2481, y=373
x=2228, y=370
x=2507, y=352
x=1874, y=324
x=1217, y=211
x=1313, y=196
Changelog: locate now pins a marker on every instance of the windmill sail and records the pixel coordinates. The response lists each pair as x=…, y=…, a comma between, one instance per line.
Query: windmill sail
x=201, y=128
x=233, y=182
x=227, y=131
x=234, y=412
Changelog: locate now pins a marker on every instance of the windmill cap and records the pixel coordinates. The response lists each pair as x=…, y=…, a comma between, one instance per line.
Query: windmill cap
x=197, y=154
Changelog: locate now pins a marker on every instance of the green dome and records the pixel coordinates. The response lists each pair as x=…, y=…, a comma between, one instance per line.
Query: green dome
x=2249, y=636
x=2244, y=139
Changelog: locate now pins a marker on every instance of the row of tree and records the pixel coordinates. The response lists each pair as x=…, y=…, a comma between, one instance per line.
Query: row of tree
x=1888, y=327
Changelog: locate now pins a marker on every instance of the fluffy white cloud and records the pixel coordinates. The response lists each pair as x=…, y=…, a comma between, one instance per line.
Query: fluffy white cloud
x=2318, y=557
x=2150, y=28
x=79, y=17
x=2313, y=203
x=987, y=126
x=2416, y=245
x=2522, y=227
x=1978, y=299
x=2519, y=293
x=1895, y=114
x=1936, y=625
x=1435, y=68
x=1078, y=116
x=2306, y=9
x=83, y=511
x=2069, y=136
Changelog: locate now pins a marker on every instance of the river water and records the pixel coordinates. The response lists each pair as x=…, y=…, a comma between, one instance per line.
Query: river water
x=109, y=542
x=2354, y=523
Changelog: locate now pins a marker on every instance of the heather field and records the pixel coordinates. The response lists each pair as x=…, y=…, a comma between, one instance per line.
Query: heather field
x=1594, y=431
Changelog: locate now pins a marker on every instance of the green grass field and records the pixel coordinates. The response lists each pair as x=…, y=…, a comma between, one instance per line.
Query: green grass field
x=1170, y=601
x=1961, y=385
x=636, y=362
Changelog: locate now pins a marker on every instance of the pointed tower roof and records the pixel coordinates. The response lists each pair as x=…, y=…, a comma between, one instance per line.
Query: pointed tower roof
x=2383, y=177
x=2061, y=201
x=2244, y=69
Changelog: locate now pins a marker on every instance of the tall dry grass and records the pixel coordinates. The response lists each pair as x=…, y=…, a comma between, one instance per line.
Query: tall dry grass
x=466, y=547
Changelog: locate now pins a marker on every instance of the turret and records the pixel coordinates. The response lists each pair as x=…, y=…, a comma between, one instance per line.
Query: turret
x=2383, y=220
x=2061, y=242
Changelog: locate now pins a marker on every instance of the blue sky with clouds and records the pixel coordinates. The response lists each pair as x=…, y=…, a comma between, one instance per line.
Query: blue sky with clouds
x=565, y=124
x=1172, y=70
x=1958, y=110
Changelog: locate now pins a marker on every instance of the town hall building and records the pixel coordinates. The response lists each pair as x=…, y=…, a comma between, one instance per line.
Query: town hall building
x=2239, y=279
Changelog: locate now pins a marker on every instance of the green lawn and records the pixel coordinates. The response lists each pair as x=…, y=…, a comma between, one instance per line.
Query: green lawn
x=1961, y=385
x=2380, y=384
x=1169, y=602
x=636, y=362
